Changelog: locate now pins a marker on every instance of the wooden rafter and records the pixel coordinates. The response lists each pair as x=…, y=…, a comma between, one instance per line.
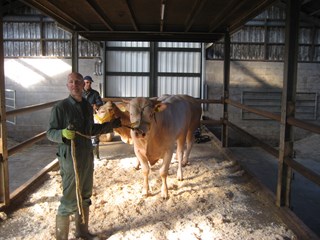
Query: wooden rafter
x=230, y=8
x=131, y=15
x=197, y=7
x=56, y=13
x=162, y=14
x=101, y=15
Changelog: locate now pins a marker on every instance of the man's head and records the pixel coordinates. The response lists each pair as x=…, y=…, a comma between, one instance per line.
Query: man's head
x=87, y=82
x=75, y=85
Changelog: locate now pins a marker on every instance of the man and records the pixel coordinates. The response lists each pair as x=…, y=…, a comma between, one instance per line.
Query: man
x=72, y=120
x=93, y=97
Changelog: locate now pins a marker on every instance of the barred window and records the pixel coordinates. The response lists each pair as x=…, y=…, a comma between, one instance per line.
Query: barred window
x=42, y=39
x=263, y=39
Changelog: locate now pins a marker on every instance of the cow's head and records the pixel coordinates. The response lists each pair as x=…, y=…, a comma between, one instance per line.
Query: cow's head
x=105, y=113
x=142, y=114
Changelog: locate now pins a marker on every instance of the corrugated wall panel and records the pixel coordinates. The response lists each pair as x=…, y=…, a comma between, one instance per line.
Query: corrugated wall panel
x=179, y=45
x=127, y=61
x=179, y=62
x=127, y=86
x=127, y=44
x=179, y=85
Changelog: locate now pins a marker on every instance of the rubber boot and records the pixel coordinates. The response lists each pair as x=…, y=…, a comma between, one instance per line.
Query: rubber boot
x=62, y=227
x=96, y=151
x=95, y=144
x=82, y=228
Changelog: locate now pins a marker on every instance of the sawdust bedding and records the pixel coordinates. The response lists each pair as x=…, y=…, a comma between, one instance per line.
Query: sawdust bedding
x=216, y=200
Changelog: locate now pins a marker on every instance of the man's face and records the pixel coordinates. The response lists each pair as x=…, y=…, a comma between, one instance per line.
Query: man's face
x=87, y=84
x=75, y=85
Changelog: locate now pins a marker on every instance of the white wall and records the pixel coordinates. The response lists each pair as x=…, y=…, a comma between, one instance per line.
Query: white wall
x=38, y=81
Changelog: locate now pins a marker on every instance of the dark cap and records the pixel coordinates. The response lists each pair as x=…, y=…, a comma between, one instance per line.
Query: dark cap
x=88, y=78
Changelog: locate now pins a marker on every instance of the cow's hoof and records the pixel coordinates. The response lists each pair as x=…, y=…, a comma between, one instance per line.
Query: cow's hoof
x=165, y=197
x=145, y=195
x=185, y=164
x=136, y=168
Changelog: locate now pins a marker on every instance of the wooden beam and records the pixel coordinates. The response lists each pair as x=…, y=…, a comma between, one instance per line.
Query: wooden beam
x=31, y=108
x=58, y=14
x=162, y=14
x=288, y=102
x=229, y=9
x=256, y=141
x=151, y=36
x=26, y=143
x=101, y=15
x=249, y=14
x=304, y=17
x=4, y=171
x=75, y=51
x=197, y=7
x=260, y=112
x=226, y=86
x=131, y=14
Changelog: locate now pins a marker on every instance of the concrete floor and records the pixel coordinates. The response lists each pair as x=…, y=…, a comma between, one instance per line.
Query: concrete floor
x=305, y=195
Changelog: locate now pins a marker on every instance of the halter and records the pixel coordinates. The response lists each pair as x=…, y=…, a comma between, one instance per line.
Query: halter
x=141, y=114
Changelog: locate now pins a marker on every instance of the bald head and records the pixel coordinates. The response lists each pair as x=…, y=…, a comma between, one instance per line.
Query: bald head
x=75, y=76
x=75, y=85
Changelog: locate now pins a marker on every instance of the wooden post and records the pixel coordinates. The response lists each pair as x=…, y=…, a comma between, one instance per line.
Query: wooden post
x=75, y=52
x=226, y=83
x=4, y=170
x=288, y=102
x=153, y=77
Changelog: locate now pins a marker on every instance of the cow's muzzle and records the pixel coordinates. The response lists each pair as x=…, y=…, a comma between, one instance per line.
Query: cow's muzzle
x=136, y=128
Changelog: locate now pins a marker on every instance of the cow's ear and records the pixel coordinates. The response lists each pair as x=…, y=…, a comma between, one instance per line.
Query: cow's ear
x=127, y=104
x=160, y=107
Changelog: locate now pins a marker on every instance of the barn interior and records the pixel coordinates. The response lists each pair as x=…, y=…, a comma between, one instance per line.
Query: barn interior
x=207, y=22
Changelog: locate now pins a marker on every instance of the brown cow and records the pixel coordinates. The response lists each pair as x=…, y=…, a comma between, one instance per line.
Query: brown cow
x=109, y=111
x=157, y=127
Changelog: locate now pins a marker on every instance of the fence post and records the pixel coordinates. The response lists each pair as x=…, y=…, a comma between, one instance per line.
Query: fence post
x=288, y=102
x=226, y=83
x=4, y=170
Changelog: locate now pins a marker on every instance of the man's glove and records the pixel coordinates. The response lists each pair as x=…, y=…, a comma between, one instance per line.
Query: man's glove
x=68, y=134
x=116, y=123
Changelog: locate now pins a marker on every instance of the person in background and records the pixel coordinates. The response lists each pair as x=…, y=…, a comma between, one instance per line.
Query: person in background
x=94, y=98
x=71, y=119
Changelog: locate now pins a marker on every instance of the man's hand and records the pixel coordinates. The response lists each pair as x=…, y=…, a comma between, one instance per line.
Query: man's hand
x=68, y=134
x=116, y=123
x=95, y=107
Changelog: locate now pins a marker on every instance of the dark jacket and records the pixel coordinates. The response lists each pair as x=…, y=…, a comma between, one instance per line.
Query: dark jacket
x=93, y=97
x=80, y=116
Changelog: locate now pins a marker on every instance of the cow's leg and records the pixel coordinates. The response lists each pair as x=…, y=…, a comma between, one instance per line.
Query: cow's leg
x=180, y=150
x=164, y=173
x=145, y=190
x=145, y=170
x=190, y=141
